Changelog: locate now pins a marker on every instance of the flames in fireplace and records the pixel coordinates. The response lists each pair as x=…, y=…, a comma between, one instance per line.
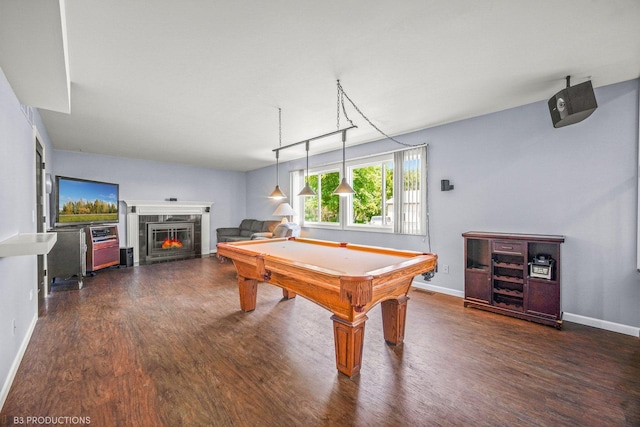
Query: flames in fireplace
x=171, y=243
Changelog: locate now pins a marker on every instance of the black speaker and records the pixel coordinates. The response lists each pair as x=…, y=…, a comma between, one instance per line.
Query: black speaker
x=126, y=257
x=572, y=104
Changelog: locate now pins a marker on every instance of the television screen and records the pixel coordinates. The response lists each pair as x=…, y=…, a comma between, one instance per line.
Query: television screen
x=81, y=201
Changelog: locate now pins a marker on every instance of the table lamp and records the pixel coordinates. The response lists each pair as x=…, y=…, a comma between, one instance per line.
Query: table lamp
x=284, y=210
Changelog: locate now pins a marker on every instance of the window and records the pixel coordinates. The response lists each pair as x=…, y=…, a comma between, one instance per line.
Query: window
x=390, y=194
x=373, y=186
x=410, y=190
x=324, y=208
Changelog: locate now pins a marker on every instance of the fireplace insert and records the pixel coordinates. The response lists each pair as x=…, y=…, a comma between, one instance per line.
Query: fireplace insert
x=168, y=238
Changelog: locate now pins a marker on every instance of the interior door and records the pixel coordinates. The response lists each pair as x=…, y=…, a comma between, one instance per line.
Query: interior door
x=40, y=222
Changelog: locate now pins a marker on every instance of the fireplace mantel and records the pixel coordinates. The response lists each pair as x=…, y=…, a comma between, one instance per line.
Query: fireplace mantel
x=152, y=207
x=136, y=208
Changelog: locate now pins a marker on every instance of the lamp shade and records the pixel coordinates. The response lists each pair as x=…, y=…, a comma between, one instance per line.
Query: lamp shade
x=284, y=209
x=277, y=193
x=307, y=191
x=344, y=189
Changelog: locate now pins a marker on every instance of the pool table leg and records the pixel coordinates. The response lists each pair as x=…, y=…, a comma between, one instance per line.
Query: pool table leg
x=287, y=294
x=349, y=339
x=394, y=315
x=248, y=293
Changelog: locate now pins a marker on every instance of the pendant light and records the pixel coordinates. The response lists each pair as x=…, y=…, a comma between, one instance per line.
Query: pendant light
x=307, y=190
x=344, y=189
x=277, y=193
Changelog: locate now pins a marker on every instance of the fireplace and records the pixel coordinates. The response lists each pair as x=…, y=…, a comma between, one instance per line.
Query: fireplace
x=168, y=241
x=167, y=231
x=168, y=238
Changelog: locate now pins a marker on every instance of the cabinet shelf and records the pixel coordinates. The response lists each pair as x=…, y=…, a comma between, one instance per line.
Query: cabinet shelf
x=510, y=279
x=509, y=305
x=509, y=292
x=510, y=265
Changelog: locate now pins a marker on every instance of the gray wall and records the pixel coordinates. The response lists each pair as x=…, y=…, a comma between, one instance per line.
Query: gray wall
x=150, y=180
x=513, y=172
x=17, y=207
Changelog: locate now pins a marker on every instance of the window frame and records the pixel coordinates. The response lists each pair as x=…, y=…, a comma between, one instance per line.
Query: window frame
x=299, y=203
x=345, y=215
x=376, y=160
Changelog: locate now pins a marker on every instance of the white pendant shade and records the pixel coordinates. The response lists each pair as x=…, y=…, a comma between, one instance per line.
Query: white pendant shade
x=344, y=189
x=277, y=193
x=284, y=209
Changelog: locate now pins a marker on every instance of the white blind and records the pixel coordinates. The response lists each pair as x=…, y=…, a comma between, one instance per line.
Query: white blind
x=410, y=191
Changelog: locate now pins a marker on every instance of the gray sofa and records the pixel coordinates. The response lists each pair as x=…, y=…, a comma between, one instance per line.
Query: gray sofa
x=249, y=229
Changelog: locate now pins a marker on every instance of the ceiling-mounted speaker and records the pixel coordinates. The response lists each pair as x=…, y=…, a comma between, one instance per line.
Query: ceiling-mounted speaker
x=572, y=104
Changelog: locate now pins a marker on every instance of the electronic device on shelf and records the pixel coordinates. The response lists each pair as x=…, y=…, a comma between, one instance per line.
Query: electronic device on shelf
x=541, y=266
x=101, y=232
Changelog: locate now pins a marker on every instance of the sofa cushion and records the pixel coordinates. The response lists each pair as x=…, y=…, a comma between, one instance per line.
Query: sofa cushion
x=233, y=239
x=246, y=227
x=246, y=224
x=227, y=231
x=256, y=227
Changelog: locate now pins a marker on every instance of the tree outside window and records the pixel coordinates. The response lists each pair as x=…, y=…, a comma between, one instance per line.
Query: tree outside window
x=324, y=208
x=373, y=186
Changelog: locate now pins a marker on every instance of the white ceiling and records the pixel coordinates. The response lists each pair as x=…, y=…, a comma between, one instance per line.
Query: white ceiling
x=200, y=81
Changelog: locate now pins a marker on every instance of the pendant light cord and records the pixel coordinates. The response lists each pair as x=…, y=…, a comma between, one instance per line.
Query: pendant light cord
x=279, y=145
x=341, y=95
x=279, y=127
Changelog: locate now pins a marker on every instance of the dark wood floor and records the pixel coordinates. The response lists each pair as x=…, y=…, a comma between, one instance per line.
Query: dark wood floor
x=167, y=345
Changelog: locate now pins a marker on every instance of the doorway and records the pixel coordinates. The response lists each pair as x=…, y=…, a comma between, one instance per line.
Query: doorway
x=41, y=223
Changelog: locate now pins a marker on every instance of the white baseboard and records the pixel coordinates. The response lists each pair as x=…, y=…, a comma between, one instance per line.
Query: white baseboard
x=601, y=324
x=429, y=287
x=16, y=362
x=569, y=317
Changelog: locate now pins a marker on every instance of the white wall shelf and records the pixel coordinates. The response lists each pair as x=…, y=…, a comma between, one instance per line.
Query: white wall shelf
x=28, y=244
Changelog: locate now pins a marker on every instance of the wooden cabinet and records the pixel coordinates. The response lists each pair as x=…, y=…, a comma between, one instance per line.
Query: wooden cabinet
x=514, y=274
x=103, y=247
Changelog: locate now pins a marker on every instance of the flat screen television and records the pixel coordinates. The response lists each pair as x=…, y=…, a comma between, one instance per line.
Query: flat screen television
x=82, y=202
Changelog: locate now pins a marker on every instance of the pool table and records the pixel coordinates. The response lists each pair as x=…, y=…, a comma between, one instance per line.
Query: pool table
x=344, y=278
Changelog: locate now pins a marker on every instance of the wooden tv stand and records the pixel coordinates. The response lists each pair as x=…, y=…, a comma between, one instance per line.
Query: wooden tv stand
x=103, y=246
